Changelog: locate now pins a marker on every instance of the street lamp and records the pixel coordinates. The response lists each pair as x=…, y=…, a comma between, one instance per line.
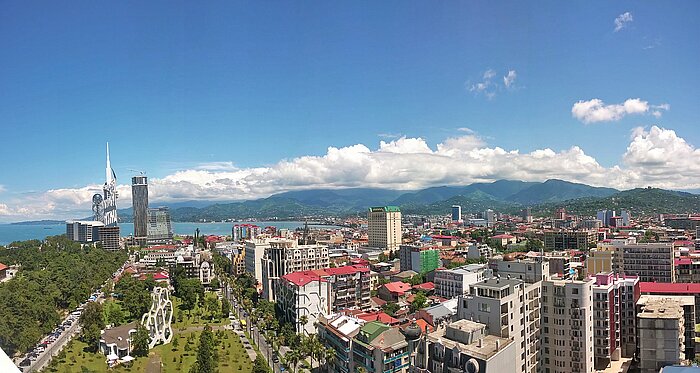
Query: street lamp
x=412, y=333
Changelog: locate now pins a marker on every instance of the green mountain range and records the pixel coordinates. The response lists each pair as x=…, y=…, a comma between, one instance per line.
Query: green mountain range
x=503, y=195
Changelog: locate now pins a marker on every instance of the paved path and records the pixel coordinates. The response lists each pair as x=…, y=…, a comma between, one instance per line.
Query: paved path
x=154, y=364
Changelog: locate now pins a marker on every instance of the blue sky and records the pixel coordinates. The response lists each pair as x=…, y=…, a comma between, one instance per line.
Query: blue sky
x=175, y=86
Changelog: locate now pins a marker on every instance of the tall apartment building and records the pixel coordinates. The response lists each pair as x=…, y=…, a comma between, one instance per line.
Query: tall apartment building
x=83, y=231
x=109, y=237
x=465, y=346
x=241, y=232
x=687, y=306
x=456, y=213
x=450, y=283
x=509, y=311
x=286, y=256
x=604, y=216
x=337, y=331
x=569, y=239
x=350, y=287
x=601, y=260
x=384, y=227
x=682, y=289
x=528, y=270
x=652, y=262
x=661, y=332
x=139, y=201
x=300, y=294
x=614, y=317
x=490, y=217
x=160, y=229
x=567, y=326
x=254, y=253
x=418, y=259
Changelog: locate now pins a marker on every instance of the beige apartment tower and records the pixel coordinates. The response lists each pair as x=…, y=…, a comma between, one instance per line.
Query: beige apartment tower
x=384, y=227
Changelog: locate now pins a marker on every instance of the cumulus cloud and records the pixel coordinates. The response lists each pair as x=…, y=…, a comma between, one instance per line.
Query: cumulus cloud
x=509, y=79
x=623, y=20
x=595, y=110
x=655, y=156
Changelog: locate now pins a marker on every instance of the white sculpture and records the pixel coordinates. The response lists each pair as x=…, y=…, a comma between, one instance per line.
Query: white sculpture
x=159, y=318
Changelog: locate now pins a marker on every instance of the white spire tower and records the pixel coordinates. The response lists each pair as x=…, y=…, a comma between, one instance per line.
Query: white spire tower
x=110, y=195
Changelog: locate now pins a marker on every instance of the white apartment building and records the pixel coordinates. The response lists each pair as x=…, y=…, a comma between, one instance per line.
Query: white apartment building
x=464, y=346
x=384, y=227
x=254, y=252
x=450, y=283
x=284, y=256
x=528, y=270
x=303, y=294
x=567, y=326
x=504, y=306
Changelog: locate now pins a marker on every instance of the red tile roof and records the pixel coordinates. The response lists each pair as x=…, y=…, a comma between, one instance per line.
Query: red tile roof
x=346, y=270
x=3, y=267
x=669, y=288
x=378, y=316
x=441, y=237
x=302, y=278
x=398, y=287
x=425, y=286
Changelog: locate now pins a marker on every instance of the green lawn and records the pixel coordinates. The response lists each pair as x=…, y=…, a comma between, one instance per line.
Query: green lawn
x=232, y=356
x=195, y=317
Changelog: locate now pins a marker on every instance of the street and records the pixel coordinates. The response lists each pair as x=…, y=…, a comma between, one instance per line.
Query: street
x=255, y=335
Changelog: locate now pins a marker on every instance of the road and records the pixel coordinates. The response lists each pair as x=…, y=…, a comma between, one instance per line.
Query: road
x=254, y=333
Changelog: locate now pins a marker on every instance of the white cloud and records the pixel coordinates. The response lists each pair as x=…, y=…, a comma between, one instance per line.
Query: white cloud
x=623, y=20
x=465, y=129
x=654, y=156
x=509, y=79
x=2, y=188
x=595, y=110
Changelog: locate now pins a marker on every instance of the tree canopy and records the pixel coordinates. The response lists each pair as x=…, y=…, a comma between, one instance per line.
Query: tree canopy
x=55, y=275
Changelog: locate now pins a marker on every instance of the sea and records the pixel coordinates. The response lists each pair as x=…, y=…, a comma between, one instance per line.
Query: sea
x=20, y=232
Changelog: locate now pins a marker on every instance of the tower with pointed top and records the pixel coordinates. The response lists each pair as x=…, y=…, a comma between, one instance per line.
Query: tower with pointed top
x=110, y=195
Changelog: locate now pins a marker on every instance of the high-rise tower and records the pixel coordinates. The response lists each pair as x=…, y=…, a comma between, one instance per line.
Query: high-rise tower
x=110, y=195
x=139, y=198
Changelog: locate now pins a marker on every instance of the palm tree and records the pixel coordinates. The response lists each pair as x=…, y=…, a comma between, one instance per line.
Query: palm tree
x=293, y=357
x=303, y=319
x=328, y=357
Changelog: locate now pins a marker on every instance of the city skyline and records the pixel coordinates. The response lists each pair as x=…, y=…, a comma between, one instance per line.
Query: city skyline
x=236, y=103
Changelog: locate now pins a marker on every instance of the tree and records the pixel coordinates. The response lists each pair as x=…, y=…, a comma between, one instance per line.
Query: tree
x=212, y=306
x=188, y=293
x=260, y=365
x=113, y=313
x=328, y=357
x=175, y=343
x=390, y=308
x=92, y=322
x=206, y=360
x=303, y=320
x=215, y=283
x=419, y=301
x=140, y=341
x=225, y=307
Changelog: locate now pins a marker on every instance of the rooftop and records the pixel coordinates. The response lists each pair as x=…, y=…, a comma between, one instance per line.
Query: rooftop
x=498, y=283
x=119, y=335
x=669, y=288
x=661, y=309
x=385, y=209
x=398, y=287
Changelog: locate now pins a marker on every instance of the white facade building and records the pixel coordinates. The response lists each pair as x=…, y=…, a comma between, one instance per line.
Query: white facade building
x=384, y=227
